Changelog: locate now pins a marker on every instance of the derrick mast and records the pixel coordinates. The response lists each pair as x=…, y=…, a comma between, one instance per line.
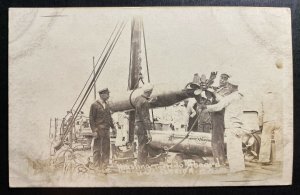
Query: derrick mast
x=134, y=66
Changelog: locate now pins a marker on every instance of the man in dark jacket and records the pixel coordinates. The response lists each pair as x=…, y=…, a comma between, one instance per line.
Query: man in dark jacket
x=100, y=122
x=143, y=124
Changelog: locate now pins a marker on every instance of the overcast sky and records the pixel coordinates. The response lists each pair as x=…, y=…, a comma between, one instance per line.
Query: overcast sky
x=50, y=58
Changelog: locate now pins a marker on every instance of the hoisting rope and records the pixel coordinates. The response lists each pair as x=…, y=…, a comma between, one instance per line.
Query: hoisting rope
x=166, y=150
x=210, y=81
x=148, y=74
x=187, y=135
x=146, y=57
x=98, y=72
x=95, y=66
x=128, y=88
x=189, y=131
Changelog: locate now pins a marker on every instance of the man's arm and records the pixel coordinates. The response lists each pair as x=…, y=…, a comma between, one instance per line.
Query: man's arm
x=92, y=117
x=223, y=103
x=111, y=121
x=191, y=111
x=114, y=130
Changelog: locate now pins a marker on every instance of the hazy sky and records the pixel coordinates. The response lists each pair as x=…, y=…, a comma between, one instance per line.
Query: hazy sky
x=50, y=58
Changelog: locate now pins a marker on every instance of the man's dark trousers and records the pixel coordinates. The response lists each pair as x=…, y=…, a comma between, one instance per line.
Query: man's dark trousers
x=217, y=137
x=143, y=149
x=101, y=149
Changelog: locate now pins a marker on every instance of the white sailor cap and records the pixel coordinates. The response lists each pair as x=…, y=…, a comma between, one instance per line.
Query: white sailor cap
x=147, y=87
x=234, y=81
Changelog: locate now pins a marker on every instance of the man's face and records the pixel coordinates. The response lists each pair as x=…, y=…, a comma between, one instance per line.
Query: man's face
x=104, y=96
x=147, y=93
x=223, y=80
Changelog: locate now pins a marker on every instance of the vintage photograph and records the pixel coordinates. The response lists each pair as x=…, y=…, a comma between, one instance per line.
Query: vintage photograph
x=150, y=97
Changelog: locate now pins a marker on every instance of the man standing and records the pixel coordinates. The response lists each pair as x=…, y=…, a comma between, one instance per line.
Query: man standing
x=143, y=124
x=217, y=121
x=233, y=127
x=100, y=122
x=270, y=120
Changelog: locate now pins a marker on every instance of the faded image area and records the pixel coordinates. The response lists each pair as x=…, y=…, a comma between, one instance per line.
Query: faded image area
x=123, y=97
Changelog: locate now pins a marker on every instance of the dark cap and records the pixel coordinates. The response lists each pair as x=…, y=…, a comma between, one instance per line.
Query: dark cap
x=102, y=91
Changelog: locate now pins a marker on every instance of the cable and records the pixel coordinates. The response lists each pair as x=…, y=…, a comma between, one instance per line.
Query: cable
x=147, y=65
x=113, y=47
x=189, y=131
x=97, y=74
x=95, y=66
x=81, y=102
x=146, y=53
x=99, y=70
x=187, y=135
x=129, y=76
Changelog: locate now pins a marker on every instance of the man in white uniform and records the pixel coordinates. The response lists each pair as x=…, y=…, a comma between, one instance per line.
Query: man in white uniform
x=270, y=119
x=233, y=126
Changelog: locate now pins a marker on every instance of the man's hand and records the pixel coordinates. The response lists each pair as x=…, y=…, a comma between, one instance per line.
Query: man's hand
x=238, y=133
x=153, y=100
x=215, y=88
x=95, y=134
x=213, y=75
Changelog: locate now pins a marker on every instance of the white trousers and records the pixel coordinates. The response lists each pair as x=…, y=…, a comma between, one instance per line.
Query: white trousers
x=235, y=154
x=271, y=131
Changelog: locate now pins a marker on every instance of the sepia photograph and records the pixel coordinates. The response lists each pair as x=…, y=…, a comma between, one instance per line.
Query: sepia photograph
x=150, y=97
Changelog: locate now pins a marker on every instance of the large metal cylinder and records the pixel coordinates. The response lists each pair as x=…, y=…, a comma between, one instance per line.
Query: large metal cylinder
x=162, y=95
x=198, y=143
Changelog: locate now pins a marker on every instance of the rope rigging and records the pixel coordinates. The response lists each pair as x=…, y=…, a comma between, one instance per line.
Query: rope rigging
x=98, y=72
x=166, y=149
x=95, y=66
x=147, y=65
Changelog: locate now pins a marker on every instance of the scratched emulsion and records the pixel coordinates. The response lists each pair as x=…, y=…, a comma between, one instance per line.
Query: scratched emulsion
x=29, y=29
